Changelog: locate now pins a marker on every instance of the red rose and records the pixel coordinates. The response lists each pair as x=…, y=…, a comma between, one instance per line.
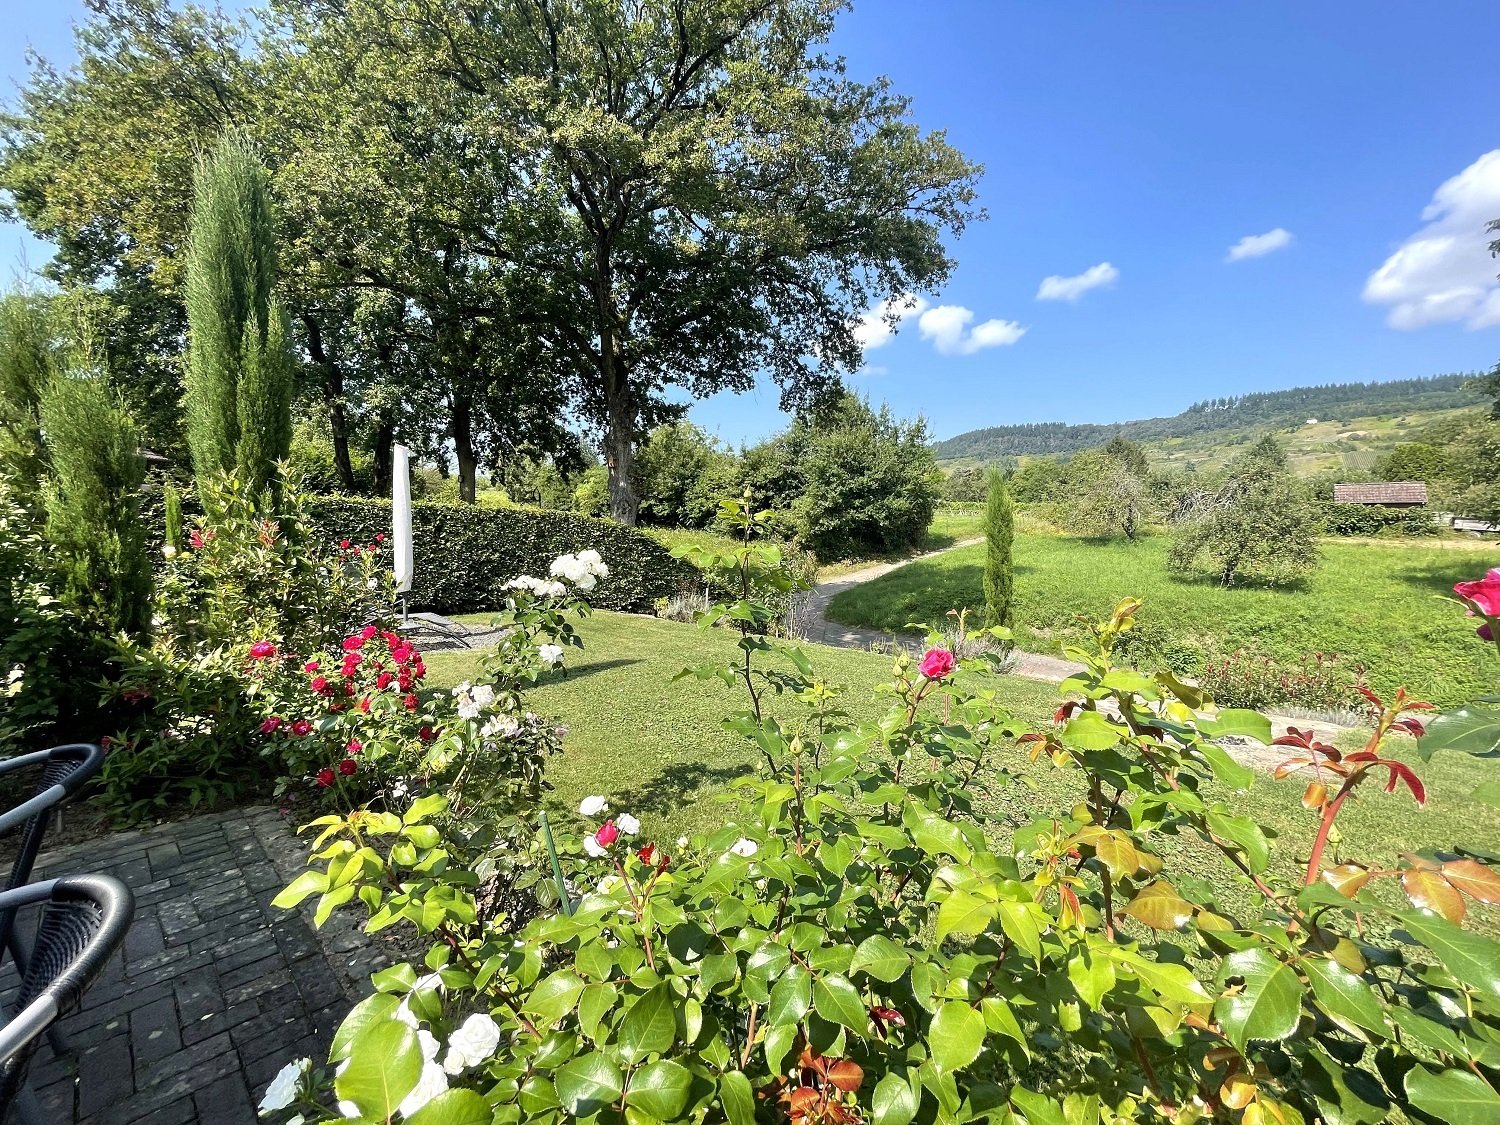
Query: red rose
x=319, y=684
x=344, y=543
x=352, y=644
x=262, y=649
x=607, y=834
x=409, y=702
x=937, y=663
x=354, y=746
x=347, y=767
x=325, y=777
x=302, y=727
x=271, y=725
x=312, y=666
x=427, y=734
x=364, y=704
x=348, y=688
x=383, y=681
x=380, y=537
x=646, y=854
x=368, y=632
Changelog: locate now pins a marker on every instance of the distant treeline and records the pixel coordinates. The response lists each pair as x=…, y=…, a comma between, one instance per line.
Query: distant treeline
x=1266, y=409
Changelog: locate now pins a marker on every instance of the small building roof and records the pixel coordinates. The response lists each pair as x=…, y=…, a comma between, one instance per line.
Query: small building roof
x=1394, y=492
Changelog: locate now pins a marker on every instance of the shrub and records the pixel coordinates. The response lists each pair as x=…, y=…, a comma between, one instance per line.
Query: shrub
x=465, y=555
x=865, y=941
x=999, y=535
x=1370, y=520
x=1317, y=683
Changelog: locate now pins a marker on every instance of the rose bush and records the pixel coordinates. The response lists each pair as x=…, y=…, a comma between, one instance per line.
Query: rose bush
x=865, y=940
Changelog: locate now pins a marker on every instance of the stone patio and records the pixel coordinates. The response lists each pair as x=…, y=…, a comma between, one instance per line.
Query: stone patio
x=213, y=990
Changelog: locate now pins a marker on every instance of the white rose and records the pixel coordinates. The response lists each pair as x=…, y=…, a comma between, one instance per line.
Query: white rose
x=628, y=824
x=594, y=847
x=170, y=552
x=483, y=695
x=682, y=842
x=432, y=1082
x=473, y=1043
x=553, y=590
x=593, y=806
x=372, y=584
x=586, y=582
x=551, y=655
x=744, y=847
x=283, y=1088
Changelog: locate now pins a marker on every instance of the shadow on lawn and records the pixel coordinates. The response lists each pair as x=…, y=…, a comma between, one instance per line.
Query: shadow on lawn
x=578, y=671
x=1439, y=577
x=675, y=785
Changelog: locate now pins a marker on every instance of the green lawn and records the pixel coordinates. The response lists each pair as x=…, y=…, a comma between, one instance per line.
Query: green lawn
x=949, y=526
x=657, y=748
x=1375, y=603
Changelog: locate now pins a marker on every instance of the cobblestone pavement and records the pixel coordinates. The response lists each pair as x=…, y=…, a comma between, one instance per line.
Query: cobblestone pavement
x=213, y=990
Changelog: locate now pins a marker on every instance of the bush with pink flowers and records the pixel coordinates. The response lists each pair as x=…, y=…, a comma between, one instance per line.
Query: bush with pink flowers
x=863, y=941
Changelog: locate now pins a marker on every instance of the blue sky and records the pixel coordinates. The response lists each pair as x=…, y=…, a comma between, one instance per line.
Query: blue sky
x=1132, y=146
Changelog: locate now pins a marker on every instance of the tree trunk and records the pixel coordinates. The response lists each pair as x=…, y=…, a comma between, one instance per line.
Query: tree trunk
x=385, y=439
x=619, y=412
x=463, y=446
x=333, y=399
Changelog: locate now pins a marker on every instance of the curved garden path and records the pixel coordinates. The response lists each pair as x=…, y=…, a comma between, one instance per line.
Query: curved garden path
x=1029, y=665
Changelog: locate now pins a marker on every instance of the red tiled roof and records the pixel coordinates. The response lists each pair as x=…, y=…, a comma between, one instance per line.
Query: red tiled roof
x=1397, y=492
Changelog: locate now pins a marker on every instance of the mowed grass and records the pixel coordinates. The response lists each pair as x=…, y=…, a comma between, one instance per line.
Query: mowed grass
x=659, y=749
x=949, y=526
x=1375, y=603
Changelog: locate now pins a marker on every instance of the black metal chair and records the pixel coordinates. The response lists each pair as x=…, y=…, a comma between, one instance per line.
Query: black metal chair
x=64, y=770
x=83, y=921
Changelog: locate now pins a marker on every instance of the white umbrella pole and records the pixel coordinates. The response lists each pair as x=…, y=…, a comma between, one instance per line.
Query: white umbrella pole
x=401, y=545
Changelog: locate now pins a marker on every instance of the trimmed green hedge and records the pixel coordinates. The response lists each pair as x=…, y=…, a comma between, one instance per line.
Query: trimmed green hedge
x=1373, y=519
x=464, y=555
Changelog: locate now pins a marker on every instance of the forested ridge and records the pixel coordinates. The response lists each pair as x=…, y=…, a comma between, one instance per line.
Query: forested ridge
x=1268, y=408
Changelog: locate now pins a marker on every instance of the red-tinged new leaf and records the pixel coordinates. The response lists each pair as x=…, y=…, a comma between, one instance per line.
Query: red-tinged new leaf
x=1291, y=766
x=1347, y=878
x=1374, y=699
x=1400, y=770
x=1295, y=737
x=1473, y=879
x=847, y=1075
x=1428, y=890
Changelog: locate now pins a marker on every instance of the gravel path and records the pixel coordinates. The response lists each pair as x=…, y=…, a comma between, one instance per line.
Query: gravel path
x=1029, y=665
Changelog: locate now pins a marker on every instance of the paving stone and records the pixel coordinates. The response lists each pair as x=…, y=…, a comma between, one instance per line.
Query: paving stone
x=154, y=1031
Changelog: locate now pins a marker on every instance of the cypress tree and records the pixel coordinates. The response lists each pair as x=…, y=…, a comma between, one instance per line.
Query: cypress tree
x=26, y=362
x=92, y=501
x=238, y=369
x=999, y=533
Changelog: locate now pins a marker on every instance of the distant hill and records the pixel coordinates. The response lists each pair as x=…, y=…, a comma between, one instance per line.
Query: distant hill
x=1222, y=420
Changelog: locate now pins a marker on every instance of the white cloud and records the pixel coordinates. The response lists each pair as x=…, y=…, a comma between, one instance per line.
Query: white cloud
x=1256, y=245
x=1444, y=272
x=874, y=329
x=871, y=370
x=947, y=326
x=1056, y=288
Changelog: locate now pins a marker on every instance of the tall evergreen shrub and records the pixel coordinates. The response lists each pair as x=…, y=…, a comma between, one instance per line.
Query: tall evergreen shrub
x=26, y=360
x=92, y=501
x=239, y=370
x=999, y=535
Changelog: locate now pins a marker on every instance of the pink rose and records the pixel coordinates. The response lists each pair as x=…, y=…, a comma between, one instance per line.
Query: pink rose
x=262, y=649
x=1482, y=596
x=368, y=632
x=607, y=834
x=271, y=725
x=937, y=663
x=311, y=666
x=354, y=746
x=353, y=644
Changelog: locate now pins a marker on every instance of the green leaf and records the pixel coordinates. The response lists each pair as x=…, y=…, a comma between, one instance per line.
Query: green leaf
x=1092, y=977
x=1090, y=730
x=894, y=1101
x=1038, y=1108
x=963, y=913
x=1225, y=768
x=736, y=1098
x=956, y=1036
x=1453, y=1095
x=791, y=998
x=1173, y=983
x=1267, y=1006
x=369, y=1010
x=1235, y=722
x=307, y=883
x=1345, y=997
x=1473, y=728
x=588, y=1084
x=1472, y=959
x=882, y=958
x=660, y=1088
x=553, y=998
x=1244, y=832
x=1160, y=907
x=385, y=1061
x=836, y=999
x=1019, y=924
x=934, y=834
x=999, y=1018
x=650, y=1025
x=1125, y=679
x=453, y=1107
